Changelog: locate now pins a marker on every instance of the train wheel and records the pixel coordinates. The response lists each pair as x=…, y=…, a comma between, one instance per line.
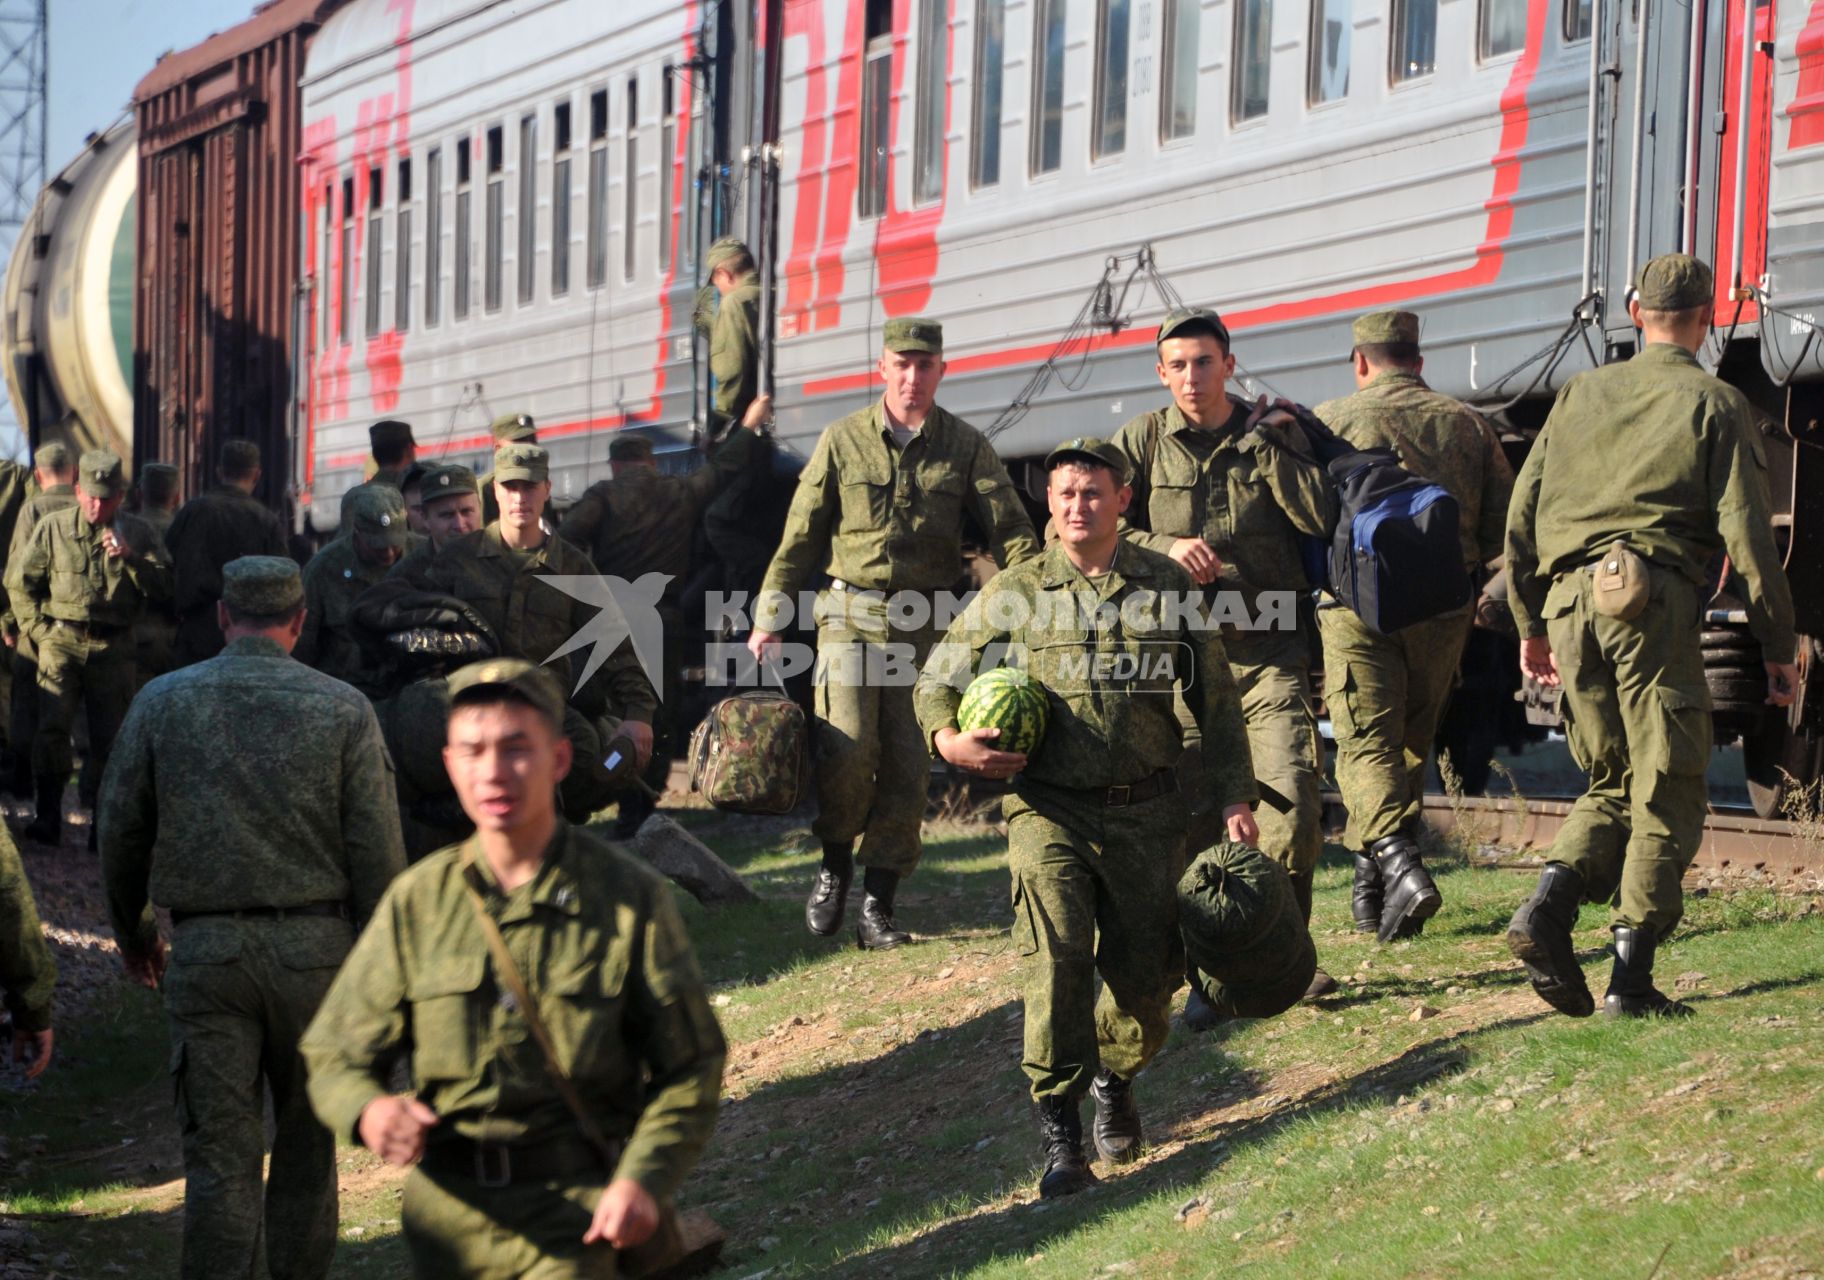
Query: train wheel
x=1779, y=760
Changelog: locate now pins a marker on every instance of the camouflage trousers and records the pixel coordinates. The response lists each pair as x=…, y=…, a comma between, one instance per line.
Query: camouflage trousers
x=873, y=765
x=1386, y=695
x=22, y=707
x=1095, y=892
x=454, y=1227
x=1637, y=714
x=238, y=995
x=98, y=674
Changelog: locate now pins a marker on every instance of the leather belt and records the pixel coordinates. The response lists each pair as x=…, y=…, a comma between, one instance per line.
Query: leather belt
x=339, y=909
x=495, y=1164
x=1162, y=783
x=88, y=631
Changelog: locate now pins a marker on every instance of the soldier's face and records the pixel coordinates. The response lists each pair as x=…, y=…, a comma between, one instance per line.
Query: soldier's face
x=521, y=501
x=449, y=518
x=414, y=512
x=1086, y=503
x=505, y=761
x=1196, y=370
x=98, y=510
x=911, y=378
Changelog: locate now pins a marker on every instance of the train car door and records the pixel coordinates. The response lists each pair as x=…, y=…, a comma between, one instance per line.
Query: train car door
x=1743, y=72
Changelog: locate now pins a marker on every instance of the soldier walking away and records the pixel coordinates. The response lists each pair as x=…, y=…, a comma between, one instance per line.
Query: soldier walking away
x=1643, y=471
x=54, y=474
x=1228, y=500
x=223, y=523
x=159, y=497
x=28, y=974
x=880, y=508
x=266, y=886
x=1386, y=694
x=394, y=451
x=85, y=578
x=1095, y=822
x=741, y=524
x=155, y=650
x=539, y=984
x=374, y=516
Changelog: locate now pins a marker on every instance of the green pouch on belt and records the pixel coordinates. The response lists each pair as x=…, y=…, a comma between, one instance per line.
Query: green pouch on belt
x=1620, y=583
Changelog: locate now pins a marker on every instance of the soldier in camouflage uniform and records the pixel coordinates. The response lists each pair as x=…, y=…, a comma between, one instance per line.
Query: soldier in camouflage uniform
x=16, y=486
x=266, y=886
x=880, y=508
x=452, y=509
x=1095, y=822
x=156, y=635
x=393, y=452
x=741, y=523
x=1228, y=502
x=84, y=580
x=224, y=523
x=28, y=974
x=1658, y=455
x=1386, y=694
x=54, y=475
x=374, y=515
x=159, y=498
x=506, y=1182
x=509, y=428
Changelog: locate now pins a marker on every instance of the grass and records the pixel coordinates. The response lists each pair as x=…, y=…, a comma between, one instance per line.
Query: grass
x=1431, y=1118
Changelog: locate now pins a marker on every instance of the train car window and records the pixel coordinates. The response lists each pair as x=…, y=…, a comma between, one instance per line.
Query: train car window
x=876, y=90
x=1253, y=59
x=433, y=238
x=1178, y=95
x=694, y=183
x=1048, y=86
x=463, y=249
x=560, y=200
x=990, y=57
x=1500, y=27
x=528, y=207
x=496, y=216
x=1576, y=19
x=375, y=234
x=933, y=101
x=630, y=181
x=1110, y=137
x=402, y=250
x=345, y=326
x=1414, y=50
x=323, y=276
x=597, y=248
x=668, y=143
x=1329, y=49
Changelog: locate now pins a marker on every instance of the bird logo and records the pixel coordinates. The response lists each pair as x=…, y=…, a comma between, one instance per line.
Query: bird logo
x=624, y=611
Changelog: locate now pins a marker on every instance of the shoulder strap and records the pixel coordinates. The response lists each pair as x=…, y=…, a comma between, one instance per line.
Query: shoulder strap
x=509, y=974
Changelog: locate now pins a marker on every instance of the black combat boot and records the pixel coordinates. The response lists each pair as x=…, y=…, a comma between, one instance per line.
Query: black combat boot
x=1061, y=1137
x=1322, y=984
x=1365, y=900
x=1117, y=1127
x=1631, y=992
x=1409, y=898
x=874, y=927
x=1199, y=1014
x=1540, y=938
x=47, y=825
x=830, y=891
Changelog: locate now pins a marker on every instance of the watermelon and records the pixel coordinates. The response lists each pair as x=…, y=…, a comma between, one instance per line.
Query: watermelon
x=1007, y=699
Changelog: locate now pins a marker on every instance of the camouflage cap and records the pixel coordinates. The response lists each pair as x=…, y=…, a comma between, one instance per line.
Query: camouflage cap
x=99, y=474
x=521, y=462
x=447, y=480
x=389, y=431
x=529, y=683
x=724, y=251
x=1675, y=282
x=238, y=457
x=1192, y=318
x=1380, y=327
x=513, y=426
x=157, y=481
x=913, y=333
x=1089, y=449
x=54, y=456
x=262, y=585
x=378, y=514
x=626, y=448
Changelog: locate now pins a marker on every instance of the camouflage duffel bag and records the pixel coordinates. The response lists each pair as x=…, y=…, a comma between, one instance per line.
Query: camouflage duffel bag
x=751, y=753
x=1243, y=929
x=415, y=723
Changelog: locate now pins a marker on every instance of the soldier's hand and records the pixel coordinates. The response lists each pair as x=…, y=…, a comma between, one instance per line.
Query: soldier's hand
x=759, y=414
x=764, y=645
x=112, y=545
x=975, y=752
x=1536, y=661
x=1198, y=558
x=1782, y=683
x=625, y=1216
x=33, y=1047
x=147, y=968
x=12, y=639
x=640, y=734
x=1239, y=820
x=393, y=1128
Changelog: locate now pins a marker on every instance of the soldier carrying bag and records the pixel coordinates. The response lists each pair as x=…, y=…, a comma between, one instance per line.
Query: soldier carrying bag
x=751, y=753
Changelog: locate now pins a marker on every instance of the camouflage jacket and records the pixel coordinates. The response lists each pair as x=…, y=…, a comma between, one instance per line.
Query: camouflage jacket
x=64, y=574
x=1662, y=455
x=27, y=971
x=1110, y=655
x=35, y=508
x=886, y=519
x=333, y=580
x=1244, y=494
x=1440, y=439
x=247, y=780
x=212, y=529
x=601, y=946
x=734, y=350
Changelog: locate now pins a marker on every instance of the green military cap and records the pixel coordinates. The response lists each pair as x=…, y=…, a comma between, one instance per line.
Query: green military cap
x=513, y=426
x=445, y=480
x=157, y=481
x=724, y=251
x=262, y=585
x=378, y=513
x=519, y=461
x=1089, y=449
x=1675, y=282
x=524, y=680
x=99, y=474
x=1380, y=327
x=913, y=333
x=54, y=456
x=626, y=448
x=389, y=431
x=238, y=457
x=1193, y=318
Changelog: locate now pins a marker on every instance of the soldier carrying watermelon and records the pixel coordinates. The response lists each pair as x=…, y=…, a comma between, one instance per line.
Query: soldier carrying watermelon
x=1096, y=823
